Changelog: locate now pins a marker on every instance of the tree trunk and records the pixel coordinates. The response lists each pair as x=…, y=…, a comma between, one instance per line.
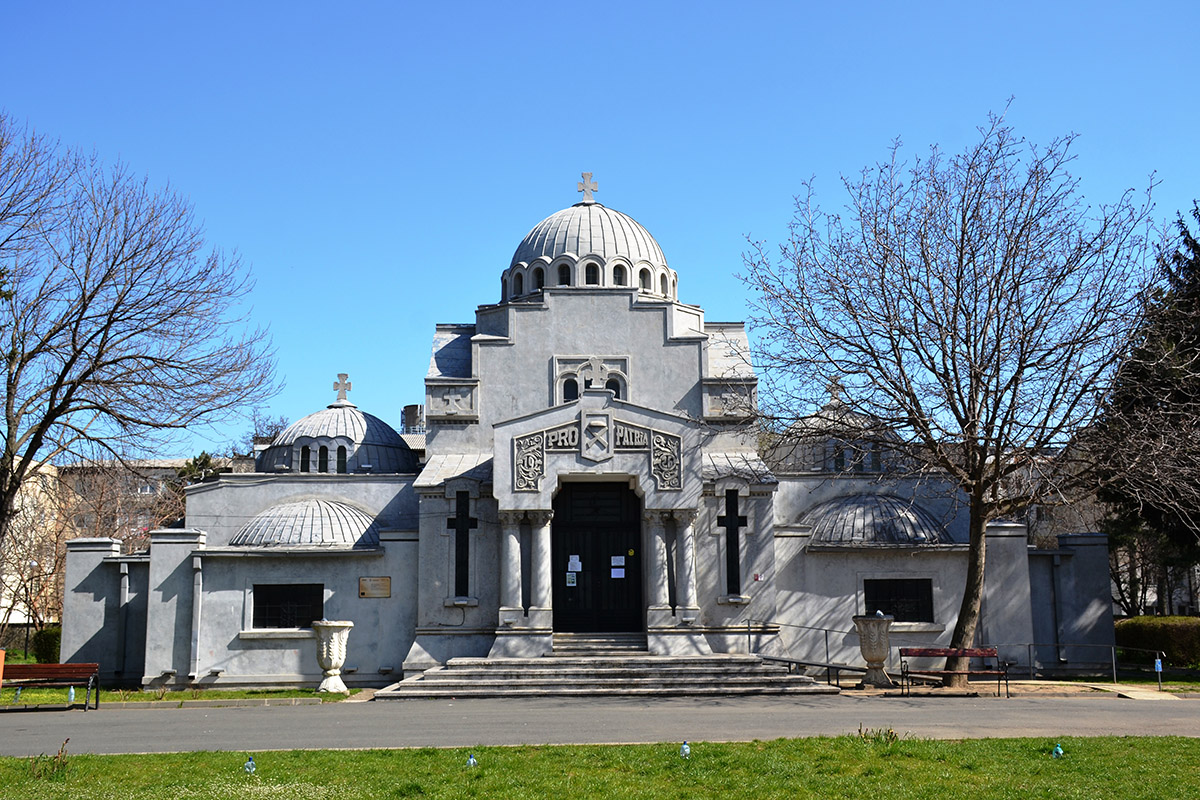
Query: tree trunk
x=968, y=612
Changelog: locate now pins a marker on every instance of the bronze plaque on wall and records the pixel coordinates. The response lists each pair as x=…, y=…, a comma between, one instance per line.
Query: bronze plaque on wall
x=375, y=587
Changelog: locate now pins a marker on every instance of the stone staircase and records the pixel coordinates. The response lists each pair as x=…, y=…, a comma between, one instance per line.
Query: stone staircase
x=603, y=664
x=599, y=644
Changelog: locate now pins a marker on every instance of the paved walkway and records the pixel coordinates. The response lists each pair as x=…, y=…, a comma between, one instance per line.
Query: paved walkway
x=465, y=723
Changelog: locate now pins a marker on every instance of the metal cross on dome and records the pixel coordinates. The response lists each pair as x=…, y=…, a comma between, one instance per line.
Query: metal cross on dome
x=587, y=186
x=342, y=386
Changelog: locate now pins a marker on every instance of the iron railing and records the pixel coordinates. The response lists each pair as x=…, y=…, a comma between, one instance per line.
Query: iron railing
x=1117, y=656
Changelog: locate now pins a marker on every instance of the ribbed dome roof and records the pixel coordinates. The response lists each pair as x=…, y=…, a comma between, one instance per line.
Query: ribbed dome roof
x=873, y=519
x=589, y=229
x=309, y=523
x=372, y=446
x=341, y=419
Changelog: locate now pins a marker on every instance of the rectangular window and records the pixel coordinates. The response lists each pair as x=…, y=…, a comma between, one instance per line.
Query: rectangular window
x=288, y=605
x=906, y=599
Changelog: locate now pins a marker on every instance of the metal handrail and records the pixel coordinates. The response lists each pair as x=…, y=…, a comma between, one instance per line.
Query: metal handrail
x=765, y=625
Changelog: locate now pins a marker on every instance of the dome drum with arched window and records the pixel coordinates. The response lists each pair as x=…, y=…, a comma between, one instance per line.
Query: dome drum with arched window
x=588, y=245
x=338, y=439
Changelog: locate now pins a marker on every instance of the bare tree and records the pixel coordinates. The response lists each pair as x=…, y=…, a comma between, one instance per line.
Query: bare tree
x=119, y=327
x=974, y=305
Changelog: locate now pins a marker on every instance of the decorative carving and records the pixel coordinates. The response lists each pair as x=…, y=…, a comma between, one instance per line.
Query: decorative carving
x=511, y=518
x=587, y=186
x=630, y=437
x=540, y=518
x=873, y=641
x=331, y=653
x=341, y=386
x=563, y=439
x=529, y=462
x=686, y=516
x=595, y=436
x=593, y=371
x=456, y=400
x=665, y=458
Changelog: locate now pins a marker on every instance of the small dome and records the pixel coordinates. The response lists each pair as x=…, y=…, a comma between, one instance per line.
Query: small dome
x=589, y=229
x=341, y=419
x=309, y=523
x=371, y=444
x=873, y=519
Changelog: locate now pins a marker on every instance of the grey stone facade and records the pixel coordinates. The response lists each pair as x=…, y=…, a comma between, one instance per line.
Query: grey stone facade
x=587, y=465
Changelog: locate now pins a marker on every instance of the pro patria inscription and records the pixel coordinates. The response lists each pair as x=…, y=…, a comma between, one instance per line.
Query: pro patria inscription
x=596, y=437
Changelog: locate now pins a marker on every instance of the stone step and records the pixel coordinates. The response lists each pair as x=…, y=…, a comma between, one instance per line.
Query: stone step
x=631, y=675
x=617, y=680
x=429, y=691
x=598, y=644
x=697, y=673
x=645, y=660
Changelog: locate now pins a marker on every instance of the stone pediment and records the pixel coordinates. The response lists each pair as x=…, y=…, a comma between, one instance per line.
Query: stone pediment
x=597, y=438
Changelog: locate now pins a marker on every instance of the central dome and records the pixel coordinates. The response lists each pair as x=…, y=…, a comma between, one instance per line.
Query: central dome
x=588, y=245
x=589, y=229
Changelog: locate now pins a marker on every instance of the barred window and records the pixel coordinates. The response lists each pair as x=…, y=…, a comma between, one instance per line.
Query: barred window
x=906, y=599
x=288, y=605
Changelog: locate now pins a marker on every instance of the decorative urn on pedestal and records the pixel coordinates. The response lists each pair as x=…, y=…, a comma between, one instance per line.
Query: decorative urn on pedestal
x=873, y=641
x=331, y=652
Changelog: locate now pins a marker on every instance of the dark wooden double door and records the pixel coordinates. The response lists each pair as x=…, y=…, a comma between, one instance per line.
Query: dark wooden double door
x=597, y=558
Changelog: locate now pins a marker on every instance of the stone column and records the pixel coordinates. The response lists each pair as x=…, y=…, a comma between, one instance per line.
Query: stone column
x=541, y=592
x=685, y=566
x=658, y=605
x=511, y=611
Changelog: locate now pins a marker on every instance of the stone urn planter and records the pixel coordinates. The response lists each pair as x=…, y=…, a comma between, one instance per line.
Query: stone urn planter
x=873, y=641
x=331, y=653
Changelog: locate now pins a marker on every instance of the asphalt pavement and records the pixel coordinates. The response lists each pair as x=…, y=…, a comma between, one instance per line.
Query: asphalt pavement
x=474, y=722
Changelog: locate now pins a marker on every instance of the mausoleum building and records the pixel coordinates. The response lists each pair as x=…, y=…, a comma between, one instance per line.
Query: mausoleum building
x=588, y=468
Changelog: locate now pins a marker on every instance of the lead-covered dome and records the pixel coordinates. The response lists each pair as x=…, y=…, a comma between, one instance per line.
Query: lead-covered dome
x=588, y=245
x=309, y=523
x=589, y=229
x=873, y=519
x=338, y=439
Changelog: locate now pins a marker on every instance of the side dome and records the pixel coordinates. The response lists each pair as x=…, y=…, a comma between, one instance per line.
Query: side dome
x=338, y=439
x=589, y=245
x=873, y=520
x=309, y=523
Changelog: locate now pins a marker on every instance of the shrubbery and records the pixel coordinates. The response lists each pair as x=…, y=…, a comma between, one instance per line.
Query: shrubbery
x=1177, y=637
x=45, y=644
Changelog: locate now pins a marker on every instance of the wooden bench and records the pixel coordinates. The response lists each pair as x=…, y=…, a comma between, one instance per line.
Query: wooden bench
x=56, y=675
x=907, y=671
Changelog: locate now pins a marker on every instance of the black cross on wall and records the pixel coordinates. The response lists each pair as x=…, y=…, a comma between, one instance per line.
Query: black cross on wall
x=732, y=522
x=462, y=523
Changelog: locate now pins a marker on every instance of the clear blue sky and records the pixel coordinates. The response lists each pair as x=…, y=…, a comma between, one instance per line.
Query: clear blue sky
x=376, y=164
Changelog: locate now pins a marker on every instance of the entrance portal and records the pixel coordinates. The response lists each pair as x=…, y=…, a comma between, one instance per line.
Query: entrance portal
x=597, y=558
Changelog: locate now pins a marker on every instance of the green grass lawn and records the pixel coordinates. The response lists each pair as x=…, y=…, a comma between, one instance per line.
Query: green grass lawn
x=34, y=696
x=872, y=766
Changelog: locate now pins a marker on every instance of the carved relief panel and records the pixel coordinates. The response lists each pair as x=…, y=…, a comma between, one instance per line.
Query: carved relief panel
x=596, y=436
x=452, y=401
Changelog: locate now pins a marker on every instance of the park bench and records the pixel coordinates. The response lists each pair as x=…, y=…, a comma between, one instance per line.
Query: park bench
x=56, y=675
x=909, y=672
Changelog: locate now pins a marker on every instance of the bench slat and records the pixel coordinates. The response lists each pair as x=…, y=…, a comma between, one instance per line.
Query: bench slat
x=948, y=652
x=908, y=671
x=57, y=676
x=49, y=671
